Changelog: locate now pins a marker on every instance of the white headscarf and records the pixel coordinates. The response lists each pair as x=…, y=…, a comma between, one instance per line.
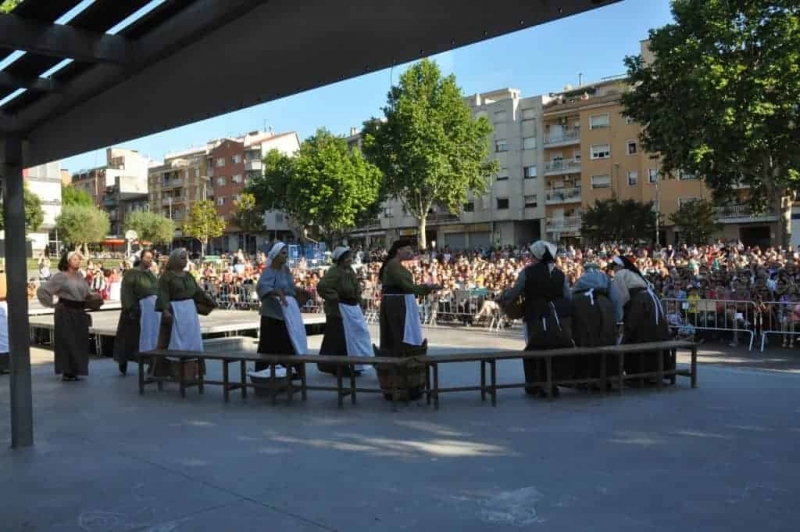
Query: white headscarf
x=540, y=247
x=273, y=252
x=338, y=252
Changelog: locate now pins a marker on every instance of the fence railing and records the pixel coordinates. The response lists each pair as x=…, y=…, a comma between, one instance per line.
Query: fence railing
x=736, y=317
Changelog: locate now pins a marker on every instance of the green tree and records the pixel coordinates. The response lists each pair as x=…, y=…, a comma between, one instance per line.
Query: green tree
x=720, y=98
x=204, y=223
x=75, y=196
x=151, y=226
x=697, y=221
x=430, y=148
x=7, y=6
x=325, y=186
x=248, y=216
x=625, y=221
x=34, y=215
x=80, y=225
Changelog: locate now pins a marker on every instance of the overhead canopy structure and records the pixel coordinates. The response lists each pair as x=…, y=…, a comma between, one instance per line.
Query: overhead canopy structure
x=98, y=73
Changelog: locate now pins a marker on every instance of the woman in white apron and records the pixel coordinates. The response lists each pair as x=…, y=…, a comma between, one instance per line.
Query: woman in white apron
x=400, y=322
x=138, y=321
x=178, y=297
x=346, y=331
x=282, y=329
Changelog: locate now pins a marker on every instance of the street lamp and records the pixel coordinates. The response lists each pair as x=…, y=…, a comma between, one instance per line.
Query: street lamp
x=658, y=200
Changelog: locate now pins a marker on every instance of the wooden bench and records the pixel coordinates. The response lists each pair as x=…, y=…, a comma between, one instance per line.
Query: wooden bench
x=273, y=361
x=431, y=363
x=490, y=359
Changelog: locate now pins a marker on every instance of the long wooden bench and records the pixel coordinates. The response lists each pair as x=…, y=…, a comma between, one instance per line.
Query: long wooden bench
x=430, y=362
x=278, y=385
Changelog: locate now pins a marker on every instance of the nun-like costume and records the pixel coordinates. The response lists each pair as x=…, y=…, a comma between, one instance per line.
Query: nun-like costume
x=548, y=314
x=346, y=331
x=139, y=322
x=644, y=319
x=282, y=329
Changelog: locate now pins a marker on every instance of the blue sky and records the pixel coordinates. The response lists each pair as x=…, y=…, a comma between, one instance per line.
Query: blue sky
x=536, y=60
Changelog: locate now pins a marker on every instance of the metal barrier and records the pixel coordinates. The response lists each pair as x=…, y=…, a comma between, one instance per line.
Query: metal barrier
x=779, y=318
x=714, y=315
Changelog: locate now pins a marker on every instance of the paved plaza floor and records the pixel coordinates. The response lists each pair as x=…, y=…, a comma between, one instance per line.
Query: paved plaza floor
x=722, y=457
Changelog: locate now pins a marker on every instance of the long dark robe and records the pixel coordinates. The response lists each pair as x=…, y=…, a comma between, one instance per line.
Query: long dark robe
x=641, y=327
x=273, y=340
x=594, y=325
x=392, y=321
x=548, y=318
x=71, y=341
x=126, y=342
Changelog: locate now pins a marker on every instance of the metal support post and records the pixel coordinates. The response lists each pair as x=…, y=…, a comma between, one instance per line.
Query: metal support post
x=16, y=276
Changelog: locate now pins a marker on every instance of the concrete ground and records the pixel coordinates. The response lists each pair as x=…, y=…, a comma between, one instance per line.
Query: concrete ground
x=721, y=457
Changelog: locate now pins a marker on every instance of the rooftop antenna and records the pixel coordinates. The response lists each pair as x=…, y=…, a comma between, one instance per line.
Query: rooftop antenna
x=580, y=79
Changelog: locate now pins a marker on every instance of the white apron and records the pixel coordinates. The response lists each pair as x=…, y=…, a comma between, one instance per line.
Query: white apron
x=186, y=335
x=3, y=327
x=148, y=324
x=356, y=333
x=295, y=326
x=412, y=330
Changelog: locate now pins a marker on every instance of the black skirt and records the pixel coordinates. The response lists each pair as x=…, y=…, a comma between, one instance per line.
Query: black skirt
x=126, y=343
x=273, y=340
x=71, y=341
x=334, y=343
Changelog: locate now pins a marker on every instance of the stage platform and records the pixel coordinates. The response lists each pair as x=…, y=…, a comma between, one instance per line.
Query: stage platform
x=37, y=309
x=219, y=324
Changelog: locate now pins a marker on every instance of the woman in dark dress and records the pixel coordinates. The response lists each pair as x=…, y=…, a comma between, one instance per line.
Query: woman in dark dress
x=644, y=319
x=71, y=320
x=548, y=315
x=138, y=322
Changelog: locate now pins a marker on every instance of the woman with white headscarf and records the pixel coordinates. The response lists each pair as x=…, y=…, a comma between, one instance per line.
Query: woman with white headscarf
x=644, y=319
x=178, y=300
x=346, y=331
x=282, y=329
x=71, y=336
x=548, y=313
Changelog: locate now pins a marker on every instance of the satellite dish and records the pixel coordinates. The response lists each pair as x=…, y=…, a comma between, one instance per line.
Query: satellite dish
x=131, y=235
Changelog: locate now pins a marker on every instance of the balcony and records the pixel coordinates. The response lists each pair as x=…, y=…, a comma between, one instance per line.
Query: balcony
x=172, y=183
x=569, y=224
x=441, y=217
x=172, y=200
x=565, y=138
x=178, y=216
x=562, y=195
x=732, y=214
x=562, y=166
x=253, y=165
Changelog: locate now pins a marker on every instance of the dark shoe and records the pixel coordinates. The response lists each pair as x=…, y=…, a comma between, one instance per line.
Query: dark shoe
x=123, y=368
x=69, y=378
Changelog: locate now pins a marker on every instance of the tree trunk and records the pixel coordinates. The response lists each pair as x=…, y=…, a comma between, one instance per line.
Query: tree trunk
x=782, y=201
x=202, y=249
x=422, y=240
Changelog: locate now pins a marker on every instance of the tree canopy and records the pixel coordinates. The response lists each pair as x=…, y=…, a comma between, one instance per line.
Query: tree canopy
x=697, y=221
x=34, y=215
x=204, y=223
x=248, y=216
x=75, y=196
x=720, y=98
x=81, y=225
x=6, y=6
x=326, y=185
x=625, y=221
x=151, y=226
x=430, y=148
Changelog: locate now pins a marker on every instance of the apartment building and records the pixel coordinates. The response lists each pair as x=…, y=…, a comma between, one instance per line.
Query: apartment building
x=45, y=182
x=512, y=209
x=126, y=169
x=232, y=163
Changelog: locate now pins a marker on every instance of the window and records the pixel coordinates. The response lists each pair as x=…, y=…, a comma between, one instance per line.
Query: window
x=279, y=218
x=631, y=147
x=601, y=181
x=500, y=146
x=502, y=203
x=529, y=143
x=633, y=179
x=685, y=176
x=530, y=172
x=221, y=201
x=236, y=158
x=236, y=197
x=531, y=201
x=653, y=174
x=237, y=179
x=628, y=120
x=528, y=114
x=502, y=175
x=684, y=201
x=220, y=162
x=600, y=151
x=469, y=206
x=500, y=116
x=221, y=181
x=598, y=121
